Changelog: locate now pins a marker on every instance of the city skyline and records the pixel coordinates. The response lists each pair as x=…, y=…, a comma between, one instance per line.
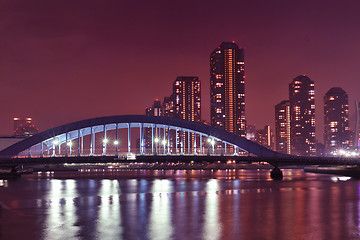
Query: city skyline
x=60, y=70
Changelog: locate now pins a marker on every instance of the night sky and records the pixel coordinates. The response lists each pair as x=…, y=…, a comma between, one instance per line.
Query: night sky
x=68, y=60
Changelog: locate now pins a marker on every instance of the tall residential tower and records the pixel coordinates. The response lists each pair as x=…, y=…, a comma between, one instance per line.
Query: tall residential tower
x=302, y=115
x=336, y=120
x=282, y=127
x=227, y=88
x=187, y=98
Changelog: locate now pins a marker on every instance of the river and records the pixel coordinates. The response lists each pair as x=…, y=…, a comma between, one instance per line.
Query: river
x=179, y=204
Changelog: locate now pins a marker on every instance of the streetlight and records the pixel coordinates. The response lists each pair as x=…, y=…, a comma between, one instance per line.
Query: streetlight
x=211, y=142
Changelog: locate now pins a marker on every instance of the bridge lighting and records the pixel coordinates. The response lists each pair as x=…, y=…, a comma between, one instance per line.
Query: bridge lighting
x=69, y=143
x=105, y=140
x=164, y=142
x=116, y=142
x=156, y=140
x=55, y=142
x=211, y=141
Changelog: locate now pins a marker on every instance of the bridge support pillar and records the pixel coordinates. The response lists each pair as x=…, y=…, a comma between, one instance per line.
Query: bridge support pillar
x=195, y=150
x=117, y=141
x=42, y=149
x=276, y=174
x=182, y=143
x=104, y=142
x=129, y=137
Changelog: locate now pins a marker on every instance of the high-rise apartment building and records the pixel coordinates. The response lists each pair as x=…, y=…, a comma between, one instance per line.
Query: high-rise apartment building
x=336, y=120
x=282, y=127
x=227, y=88
x=357, y=126
x=302, y=116
x=187, y=98
x=184, y=103
x=187, y=106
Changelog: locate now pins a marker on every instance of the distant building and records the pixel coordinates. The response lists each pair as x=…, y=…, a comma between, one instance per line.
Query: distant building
x=302, y=115
x=184, y=103
x=265, y=137
x=227, y=88
x=23, y=127
x=250, y=132
x=336, y=120
x=282, y=127
x=357, y=126
x=168, y=107
x=154, y=110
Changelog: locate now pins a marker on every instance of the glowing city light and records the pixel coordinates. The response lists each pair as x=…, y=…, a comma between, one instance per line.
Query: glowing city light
x=55, y=142
x=116, y=142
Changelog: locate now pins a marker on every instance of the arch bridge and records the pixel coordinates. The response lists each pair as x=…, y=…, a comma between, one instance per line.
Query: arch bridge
x=156, y=136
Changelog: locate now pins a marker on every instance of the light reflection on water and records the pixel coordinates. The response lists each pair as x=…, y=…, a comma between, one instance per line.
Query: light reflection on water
x=241, y=204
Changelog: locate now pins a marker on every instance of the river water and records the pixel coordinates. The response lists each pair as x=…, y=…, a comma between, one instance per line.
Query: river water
x=179, y=204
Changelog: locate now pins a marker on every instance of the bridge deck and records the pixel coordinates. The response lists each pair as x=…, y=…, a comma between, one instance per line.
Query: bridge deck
x=184, y=158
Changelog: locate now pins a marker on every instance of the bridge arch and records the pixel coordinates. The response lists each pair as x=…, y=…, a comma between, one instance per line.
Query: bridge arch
x=76, y=130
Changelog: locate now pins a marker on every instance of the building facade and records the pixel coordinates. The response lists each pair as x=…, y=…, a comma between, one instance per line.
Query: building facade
x=23, y=127
x=265, y=137
x=302, y=116
x=282, y=127
x=357, y=127
x=154, y=110
x=187, y=98
x=336, y=121
x=227, y=88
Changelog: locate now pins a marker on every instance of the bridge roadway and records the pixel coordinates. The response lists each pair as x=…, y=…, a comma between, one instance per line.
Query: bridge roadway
x=276, y=162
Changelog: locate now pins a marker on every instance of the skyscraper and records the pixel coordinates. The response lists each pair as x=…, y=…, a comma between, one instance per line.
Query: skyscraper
x=302, y=116
x=282, y=127
x=187, y=98
x=187, y=106
x=336, y=120
x=357, y=126
x=227, y=88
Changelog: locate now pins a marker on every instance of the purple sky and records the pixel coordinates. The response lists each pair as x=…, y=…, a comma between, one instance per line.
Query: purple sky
x=63, y=61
